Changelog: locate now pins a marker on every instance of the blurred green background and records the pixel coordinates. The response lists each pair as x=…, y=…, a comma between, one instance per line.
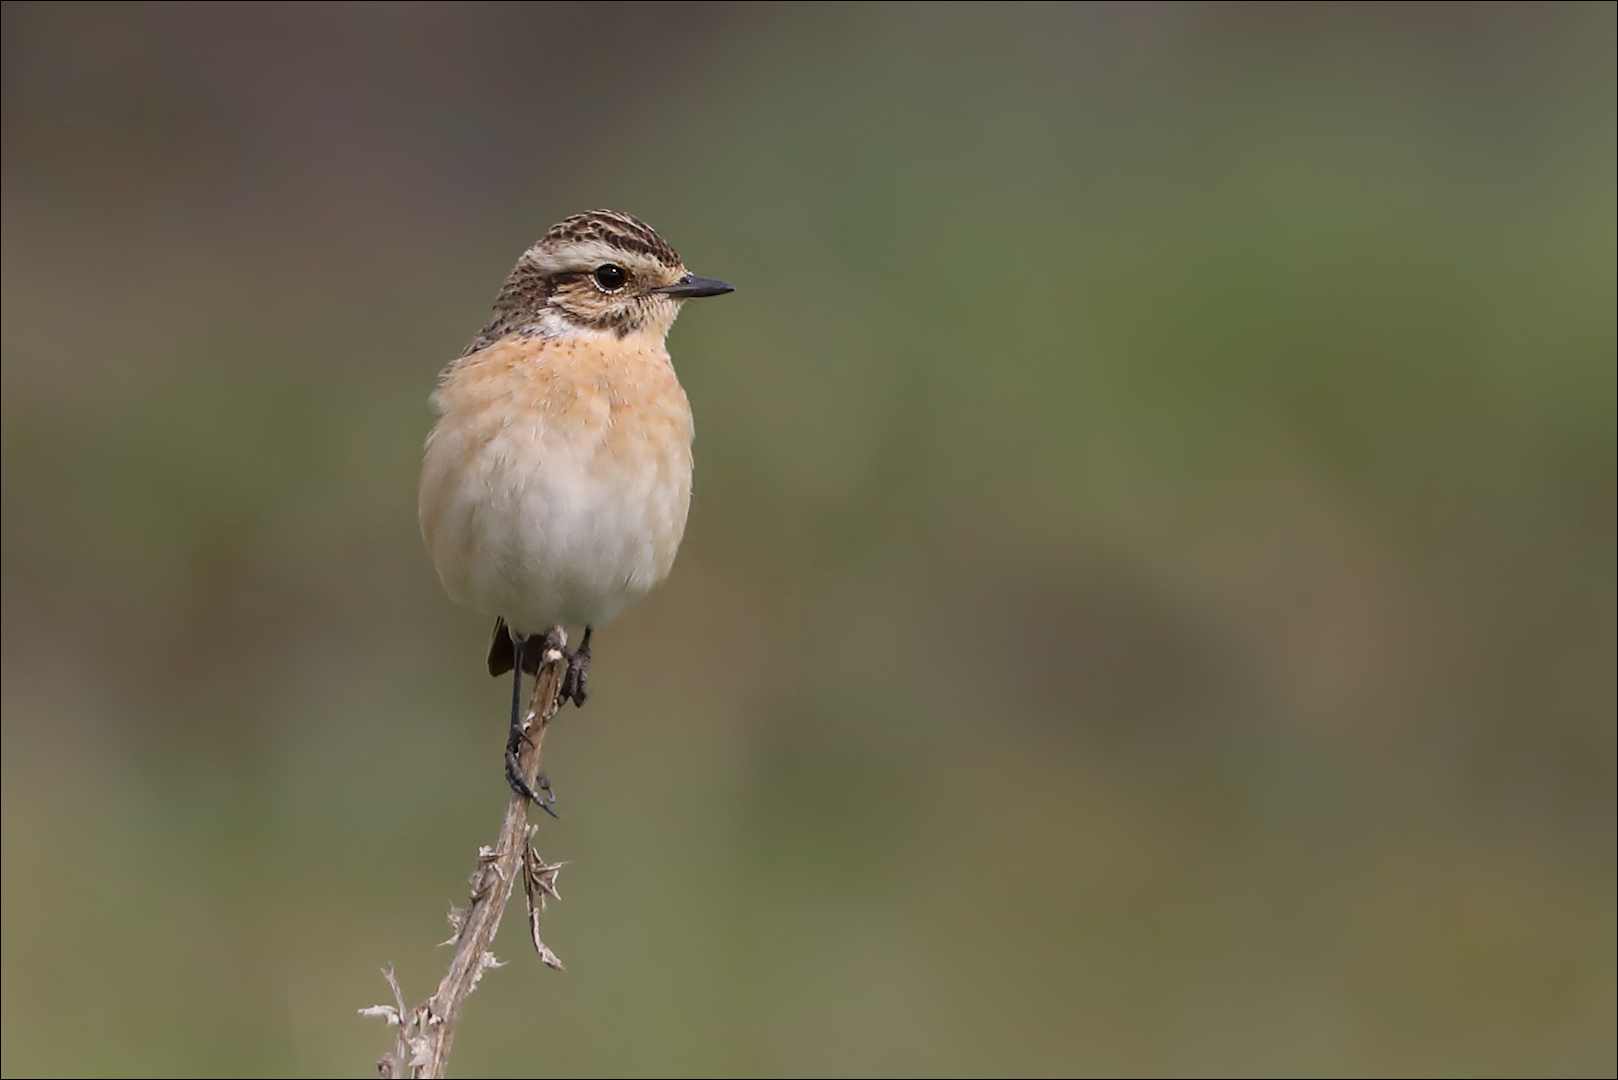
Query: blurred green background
x=1149, y=597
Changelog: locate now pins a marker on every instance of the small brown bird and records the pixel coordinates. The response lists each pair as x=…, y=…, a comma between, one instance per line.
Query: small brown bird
x=555, y=485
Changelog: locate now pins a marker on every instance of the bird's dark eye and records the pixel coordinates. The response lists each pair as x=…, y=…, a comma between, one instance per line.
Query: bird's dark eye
x=611, y=276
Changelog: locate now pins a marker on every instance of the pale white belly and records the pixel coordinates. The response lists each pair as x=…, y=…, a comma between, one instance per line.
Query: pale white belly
x=543, y=533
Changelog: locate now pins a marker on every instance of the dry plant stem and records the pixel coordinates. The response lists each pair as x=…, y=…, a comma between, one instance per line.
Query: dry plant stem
x=427, y=1032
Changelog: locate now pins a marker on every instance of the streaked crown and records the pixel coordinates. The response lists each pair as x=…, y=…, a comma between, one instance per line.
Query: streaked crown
x=599, y=272
x=616, y=230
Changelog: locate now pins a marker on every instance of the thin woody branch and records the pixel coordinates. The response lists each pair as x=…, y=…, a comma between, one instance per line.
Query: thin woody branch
x=427, y=1032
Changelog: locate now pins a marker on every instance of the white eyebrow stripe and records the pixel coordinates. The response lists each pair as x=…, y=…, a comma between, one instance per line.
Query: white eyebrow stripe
x=551, y=258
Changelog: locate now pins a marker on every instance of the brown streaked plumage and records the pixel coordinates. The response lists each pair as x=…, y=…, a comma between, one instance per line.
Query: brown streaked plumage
x=555, y=485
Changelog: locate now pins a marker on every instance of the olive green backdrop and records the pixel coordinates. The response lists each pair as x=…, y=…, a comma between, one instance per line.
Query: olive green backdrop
x=1149, y=597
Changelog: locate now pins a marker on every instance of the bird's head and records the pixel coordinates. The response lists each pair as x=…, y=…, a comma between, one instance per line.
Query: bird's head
x=603, y=272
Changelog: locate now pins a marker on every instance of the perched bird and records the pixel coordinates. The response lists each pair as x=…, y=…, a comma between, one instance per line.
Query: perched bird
x=555, y=484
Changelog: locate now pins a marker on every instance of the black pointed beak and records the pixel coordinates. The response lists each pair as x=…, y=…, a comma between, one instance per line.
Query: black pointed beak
x=691, y=285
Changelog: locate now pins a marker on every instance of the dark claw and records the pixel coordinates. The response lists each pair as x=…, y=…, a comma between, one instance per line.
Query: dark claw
x=517, y=784
x=576, y=683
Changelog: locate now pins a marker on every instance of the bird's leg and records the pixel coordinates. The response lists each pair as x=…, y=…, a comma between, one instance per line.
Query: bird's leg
x=516, y=687
x=575, y=684
x=519, y=736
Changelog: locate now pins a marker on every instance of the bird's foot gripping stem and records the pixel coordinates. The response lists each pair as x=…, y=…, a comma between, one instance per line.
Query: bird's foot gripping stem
x=526, y=656
x=575, y=684
x=505, y=651
x=518, y=737
x=539, y=792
